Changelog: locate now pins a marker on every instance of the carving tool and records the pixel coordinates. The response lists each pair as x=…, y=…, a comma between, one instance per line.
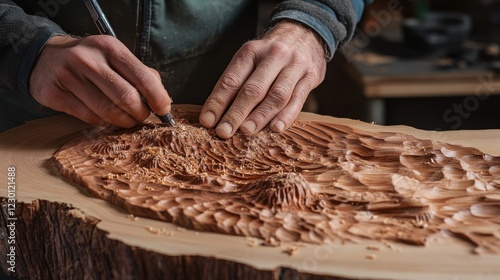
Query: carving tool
x=104, y=27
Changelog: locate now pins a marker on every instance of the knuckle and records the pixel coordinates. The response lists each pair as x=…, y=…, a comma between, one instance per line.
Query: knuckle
x=278, y=49
x=250, y=48
x=263, y=113
x=77, y=56
x=81, y=58
x=301, y=97
x=147, y=79
x=103, y=42
x=237, y=115
x=253, y=91
x=230, y=82
x=279, y=95
x=127, y=97
x=315, y=76
x=147, y=82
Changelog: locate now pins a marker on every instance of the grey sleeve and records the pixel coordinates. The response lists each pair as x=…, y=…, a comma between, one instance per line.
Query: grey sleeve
x=22, y=37
x=333, y=20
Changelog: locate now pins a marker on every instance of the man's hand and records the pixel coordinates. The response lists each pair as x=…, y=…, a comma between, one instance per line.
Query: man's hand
x=267, y=82
x=98, y=80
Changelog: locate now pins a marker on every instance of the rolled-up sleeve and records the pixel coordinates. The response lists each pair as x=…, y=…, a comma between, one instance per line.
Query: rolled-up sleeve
x=22, y=37
x=333, y=20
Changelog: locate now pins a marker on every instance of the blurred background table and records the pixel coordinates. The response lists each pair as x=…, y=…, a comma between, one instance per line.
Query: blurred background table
x=379, y=78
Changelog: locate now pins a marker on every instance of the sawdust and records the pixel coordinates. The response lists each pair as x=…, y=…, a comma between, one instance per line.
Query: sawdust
x=317, y=182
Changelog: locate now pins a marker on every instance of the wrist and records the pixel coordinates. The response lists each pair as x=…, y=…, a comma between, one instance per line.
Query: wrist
x=296, y=30
x=45, y=55
x=59, y=40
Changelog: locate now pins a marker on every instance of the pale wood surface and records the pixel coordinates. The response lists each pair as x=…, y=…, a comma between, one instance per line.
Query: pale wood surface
x=29, y=148
x=394, y=80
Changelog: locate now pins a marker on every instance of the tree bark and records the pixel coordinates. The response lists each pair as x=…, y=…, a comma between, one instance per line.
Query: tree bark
x=56, y=241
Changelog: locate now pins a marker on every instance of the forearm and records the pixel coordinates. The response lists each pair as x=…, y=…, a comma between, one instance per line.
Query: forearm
x=334, y=21
x=22, y=37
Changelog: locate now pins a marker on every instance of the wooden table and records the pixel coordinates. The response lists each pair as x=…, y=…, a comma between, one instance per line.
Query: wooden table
x=63, y=232
x=390, y=70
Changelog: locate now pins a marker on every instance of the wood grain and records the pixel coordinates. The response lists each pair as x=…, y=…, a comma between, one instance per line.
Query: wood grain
x=30, y=147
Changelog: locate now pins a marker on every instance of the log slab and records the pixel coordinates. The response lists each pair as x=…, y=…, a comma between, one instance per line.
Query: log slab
x=63, y=232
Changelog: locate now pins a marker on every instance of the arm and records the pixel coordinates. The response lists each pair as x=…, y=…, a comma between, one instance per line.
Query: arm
x=96, y=78
x=269, y=79
x=22, y=37
x=333, y=21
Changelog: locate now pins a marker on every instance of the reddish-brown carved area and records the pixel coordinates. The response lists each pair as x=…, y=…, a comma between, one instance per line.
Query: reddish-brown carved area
x=317, y=182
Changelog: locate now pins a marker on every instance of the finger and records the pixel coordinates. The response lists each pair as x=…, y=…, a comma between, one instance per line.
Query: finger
x=97, y=102
x=73, y=106
x=228, y=86
x=142, y=78
x=119, y=91
x=287, y=116
x=276, y=99
x=157, y=75
x=251, y=94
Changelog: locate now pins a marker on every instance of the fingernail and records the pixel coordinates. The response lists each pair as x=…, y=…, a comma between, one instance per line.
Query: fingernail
x=208, y=118
x=225, y=129
x=279, y=126
x=249, y=127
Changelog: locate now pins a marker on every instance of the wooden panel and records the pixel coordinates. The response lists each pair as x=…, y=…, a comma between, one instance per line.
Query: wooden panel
x=111, y=244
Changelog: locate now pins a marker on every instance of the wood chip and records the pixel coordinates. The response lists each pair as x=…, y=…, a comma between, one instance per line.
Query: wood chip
x=373, y=248
x=291, y=251
x=271, y=242
x=132, y=217
x=152, y=230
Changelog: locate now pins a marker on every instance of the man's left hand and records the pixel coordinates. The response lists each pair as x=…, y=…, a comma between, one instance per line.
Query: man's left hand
x=266, y=82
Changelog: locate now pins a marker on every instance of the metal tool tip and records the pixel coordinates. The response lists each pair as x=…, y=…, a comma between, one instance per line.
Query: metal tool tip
x=168, y=119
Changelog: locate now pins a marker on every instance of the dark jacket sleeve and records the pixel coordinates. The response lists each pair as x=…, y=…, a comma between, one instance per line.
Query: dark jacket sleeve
x=22, y=37
x=333, y=20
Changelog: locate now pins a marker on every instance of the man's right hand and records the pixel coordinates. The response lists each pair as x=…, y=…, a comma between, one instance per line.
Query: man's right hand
x=98, y=80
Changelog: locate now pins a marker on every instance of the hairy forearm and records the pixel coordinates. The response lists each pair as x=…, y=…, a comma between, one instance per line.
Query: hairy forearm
x=333, y=20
